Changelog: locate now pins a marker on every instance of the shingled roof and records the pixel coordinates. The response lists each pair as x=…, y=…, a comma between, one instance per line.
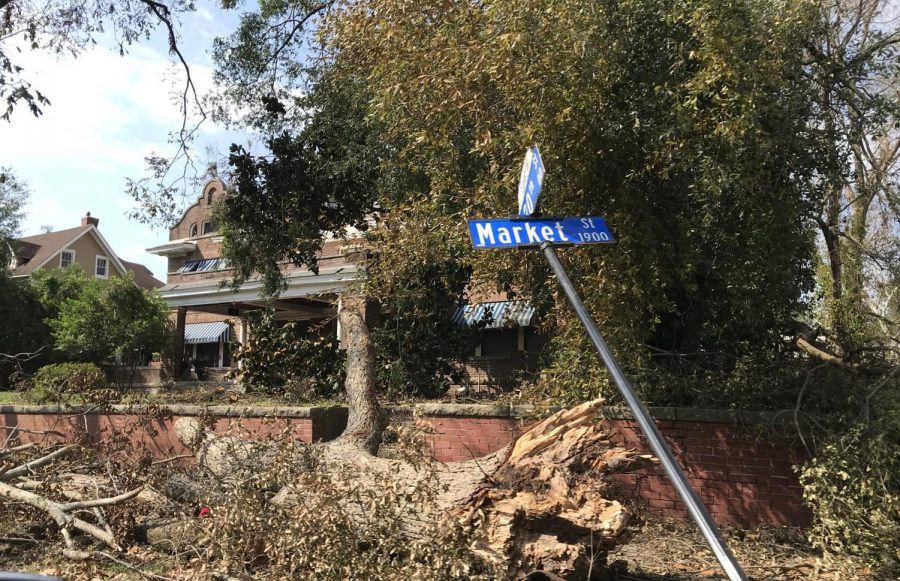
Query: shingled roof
x=47, y=245
x=38, y=249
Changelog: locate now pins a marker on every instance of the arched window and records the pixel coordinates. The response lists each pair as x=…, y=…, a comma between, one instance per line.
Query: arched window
x=209, y=196
x=193, y=231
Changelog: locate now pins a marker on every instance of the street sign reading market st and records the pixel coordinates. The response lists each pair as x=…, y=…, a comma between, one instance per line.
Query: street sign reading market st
x=523, y=232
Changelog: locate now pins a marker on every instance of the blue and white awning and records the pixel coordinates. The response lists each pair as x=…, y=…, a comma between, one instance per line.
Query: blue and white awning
x=501, y=314
x=205, y=332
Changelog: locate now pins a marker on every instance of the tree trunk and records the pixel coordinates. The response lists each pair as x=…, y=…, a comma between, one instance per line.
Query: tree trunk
x=364, y=425
x=542, y=501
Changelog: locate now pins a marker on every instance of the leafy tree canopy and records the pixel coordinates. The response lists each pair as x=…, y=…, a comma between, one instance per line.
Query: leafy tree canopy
x=684, y=122
x=13, y=197
x=108, y=318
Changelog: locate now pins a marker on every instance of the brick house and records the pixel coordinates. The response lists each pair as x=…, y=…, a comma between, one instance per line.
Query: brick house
x=83, y=245
x=211, y=316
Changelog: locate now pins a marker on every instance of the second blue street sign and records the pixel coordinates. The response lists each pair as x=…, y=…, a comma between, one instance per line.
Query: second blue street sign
x=516, y=232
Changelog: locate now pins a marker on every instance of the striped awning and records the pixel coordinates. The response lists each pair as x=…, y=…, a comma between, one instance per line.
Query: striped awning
x=501, y=314
x=205, y=332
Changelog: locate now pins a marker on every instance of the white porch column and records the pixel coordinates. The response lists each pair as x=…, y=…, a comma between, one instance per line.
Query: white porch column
x=243, y=334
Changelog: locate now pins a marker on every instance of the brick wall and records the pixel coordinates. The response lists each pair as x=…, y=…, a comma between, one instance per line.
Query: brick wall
x=741, y=470
x=51, y=424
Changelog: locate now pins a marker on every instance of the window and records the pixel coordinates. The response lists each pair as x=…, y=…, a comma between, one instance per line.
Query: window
x=209, y=196
x=66, y=258
x=209, y=227
x=193, y=231
x=102, y=270
x=203, y=265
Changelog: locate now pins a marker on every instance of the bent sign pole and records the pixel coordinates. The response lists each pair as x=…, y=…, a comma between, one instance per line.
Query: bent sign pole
x=687, y=493
x=528, y=230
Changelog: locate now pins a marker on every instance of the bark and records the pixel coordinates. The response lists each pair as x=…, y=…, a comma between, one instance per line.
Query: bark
x=543, y=502
x=364, y=425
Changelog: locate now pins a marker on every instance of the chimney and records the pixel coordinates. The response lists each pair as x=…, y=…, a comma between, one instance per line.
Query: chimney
x=87, y=219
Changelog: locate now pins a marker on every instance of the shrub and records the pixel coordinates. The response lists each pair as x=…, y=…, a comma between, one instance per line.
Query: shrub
x=290, y=360
x=56, y=382
x=853, y=487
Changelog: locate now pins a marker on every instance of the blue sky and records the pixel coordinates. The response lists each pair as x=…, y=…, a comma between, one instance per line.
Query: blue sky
x=107, y=113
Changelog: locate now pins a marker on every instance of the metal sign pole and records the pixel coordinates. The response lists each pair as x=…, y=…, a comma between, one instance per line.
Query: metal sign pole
x=657, y=443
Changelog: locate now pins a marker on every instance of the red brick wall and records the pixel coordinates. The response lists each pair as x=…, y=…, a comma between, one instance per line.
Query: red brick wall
x=156, y=435
x=742, y=473
x=745, y=478
x=461, y=438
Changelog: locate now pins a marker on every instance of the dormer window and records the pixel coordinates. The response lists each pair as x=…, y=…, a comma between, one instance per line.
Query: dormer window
x=66, y=258
x=193, y=231
x=209, y=196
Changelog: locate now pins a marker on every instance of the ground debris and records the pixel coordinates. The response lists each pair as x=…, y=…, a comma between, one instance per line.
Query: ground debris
x=673, y=550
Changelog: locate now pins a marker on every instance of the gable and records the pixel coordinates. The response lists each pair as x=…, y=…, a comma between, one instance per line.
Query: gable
x=87, y=248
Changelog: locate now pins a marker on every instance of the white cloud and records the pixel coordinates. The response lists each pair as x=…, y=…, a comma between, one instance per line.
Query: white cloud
x=107, y=114
x=106, y=110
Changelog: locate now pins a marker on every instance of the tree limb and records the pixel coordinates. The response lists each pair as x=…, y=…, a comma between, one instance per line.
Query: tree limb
x=42, y=461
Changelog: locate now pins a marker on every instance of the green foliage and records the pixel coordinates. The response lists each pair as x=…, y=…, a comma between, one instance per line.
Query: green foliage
x=853, y=487
x=23, y=329
x=59, y=382
x=57, y=285
x=417, y=345
x=291, y=360
x=315, y=181
x=682, y=122
x=109, y=318
x=13, y=197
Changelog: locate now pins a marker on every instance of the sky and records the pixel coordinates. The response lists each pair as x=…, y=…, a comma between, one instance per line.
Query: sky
x=107, y=113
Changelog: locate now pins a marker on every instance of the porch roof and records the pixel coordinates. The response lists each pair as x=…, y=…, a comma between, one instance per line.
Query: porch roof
x=299, y=284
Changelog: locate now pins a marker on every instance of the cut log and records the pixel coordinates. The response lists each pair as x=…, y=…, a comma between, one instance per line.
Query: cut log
x=542, y=502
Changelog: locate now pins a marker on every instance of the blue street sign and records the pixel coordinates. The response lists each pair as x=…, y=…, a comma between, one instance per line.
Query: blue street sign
x=514, y=232
x=530, y=181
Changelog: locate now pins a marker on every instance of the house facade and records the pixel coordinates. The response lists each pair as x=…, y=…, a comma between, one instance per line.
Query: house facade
x=211, y=317
x=83, y=245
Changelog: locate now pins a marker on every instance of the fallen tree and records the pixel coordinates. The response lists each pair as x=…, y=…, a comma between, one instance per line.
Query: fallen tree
x=336, y=509
x=541, y=503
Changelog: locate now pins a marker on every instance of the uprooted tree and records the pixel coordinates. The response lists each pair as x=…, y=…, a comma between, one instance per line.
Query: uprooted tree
x=337, y=510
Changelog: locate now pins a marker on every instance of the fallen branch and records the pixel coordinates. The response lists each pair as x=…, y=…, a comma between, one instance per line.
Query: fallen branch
x=42, y=461
x=59, y=513
x=14, y=449
x=810, y=349
x=542, y=502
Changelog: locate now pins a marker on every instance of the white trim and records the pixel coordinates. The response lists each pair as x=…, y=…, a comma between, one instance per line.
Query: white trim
x=66, y=245
x=61, y=257
x=100, y=240
x=173, y=248
x=304, y=284
x=109, y=251
x=97, y=265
